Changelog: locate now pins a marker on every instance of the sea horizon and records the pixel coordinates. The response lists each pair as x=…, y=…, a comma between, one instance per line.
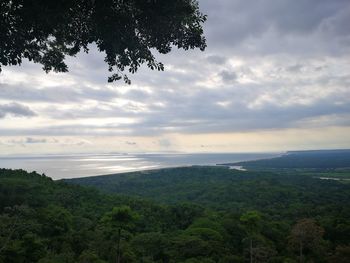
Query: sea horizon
x=74, y=165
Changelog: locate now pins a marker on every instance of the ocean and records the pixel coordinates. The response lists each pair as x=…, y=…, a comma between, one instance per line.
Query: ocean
x=82, y=165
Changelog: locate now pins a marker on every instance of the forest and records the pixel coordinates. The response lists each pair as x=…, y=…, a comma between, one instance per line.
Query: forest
x=322, y=159
x=190, y=214
x=275, y=75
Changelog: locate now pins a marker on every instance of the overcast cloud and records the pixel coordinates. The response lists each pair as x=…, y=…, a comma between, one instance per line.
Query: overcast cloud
x=269, y=66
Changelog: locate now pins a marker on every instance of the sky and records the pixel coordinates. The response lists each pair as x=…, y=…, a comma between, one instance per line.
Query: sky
x=274, y=77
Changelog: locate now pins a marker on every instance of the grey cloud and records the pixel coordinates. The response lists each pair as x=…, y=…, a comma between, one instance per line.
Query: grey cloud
x=228, y=76
x=80, y=143
x=289, y=53
x=34, y=140
x=15, y=109
x=232, y=22
x=215, y=59
x=295, y=68
x=200, y=112
x=135, y=94
x=228, y=121
x=166, y=143
x=69, y=130
x=27, y=140
x=74, y=93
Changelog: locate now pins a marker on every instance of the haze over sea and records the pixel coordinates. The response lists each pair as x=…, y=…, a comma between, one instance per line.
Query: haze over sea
x=81, y=165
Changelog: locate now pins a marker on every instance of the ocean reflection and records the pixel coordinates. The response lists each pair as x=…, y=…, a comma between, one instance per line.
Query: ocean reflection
x=80, y=165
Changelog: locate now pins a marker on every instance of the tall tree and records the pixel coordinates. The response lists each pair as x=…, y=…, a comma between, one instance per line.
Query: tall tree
x=341, y=255
x=305, y=234
x=152, y=245
x=120, y=218
x=251, y=221
x=46, y=32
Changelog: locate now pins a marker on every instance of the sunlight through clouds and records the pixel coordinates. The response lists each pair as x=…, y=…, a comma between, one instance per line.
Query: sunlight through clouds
x=269, y=69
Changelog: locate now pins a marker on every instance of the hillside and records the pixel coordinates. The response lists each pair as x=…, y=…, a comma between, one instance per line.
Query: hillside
x=322, y=159
x=46, y=221
x=222, y=188
x=51, y=221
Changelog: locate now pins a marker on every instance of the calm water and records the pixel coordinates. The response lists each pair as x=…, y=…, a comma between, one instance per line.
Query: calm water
x=69, y=166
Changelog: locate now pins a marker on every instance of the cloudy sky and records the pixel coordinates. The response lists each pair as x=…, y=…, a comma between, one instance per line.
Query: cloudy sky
x=275, y=77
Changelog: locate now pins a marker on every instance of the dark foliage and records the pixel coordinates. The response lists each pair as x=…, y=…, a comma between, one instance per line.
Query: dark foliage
x=51, y=221
x=291, y=194
x=46, y=32
x=325, y=159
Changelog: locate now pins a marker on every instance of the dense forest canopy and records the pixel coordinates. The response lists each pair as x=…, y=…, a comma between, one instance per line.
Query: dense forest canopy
x=278, y=193
x=46, y=32
x=264, y=220
x=323, y=159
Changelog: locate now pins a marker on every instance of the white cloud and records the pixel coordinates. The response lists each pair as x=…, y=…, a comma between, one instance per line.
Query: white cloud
x=16, y=110
x=269, y=66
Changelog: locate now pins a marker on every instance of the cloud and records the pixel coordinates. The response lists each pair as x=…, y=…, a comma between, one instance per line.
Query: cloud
x=216, y=59
x=228, y=76
x=165, y=143
x=131, y=143
x=34, y=140
x=59, y=93
x=24, y=141
x=269, y=24
x=269, y=65
x=16, y=110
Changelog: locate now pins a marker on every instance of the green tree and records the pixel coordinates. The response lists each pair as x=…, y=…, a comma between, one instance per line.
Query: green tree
x=16, y=238
x=182, y=215
x=56, y=220
x=46, y=32
x=89, y=257
x=120, y=218
x=341, y=255
x=33, y=247
x=306, y=235
x=185, y=246
x=213, y=238
x=251, y=221
x=151, y=245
